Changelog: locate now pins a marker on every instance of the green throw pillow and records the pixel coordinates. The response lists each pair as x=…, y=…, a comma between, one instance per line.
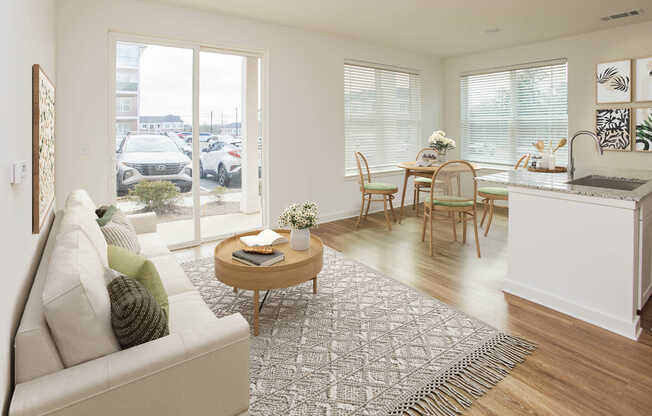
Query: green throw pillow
x=136, y=317
x=105, y=213
x=140, y=269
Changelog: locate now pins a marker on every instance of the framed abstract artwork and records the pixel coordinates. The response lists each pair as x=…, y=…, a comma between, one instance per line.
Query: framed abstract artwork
x=613, y=128
x=613, y=82
x=42, y=147
x=643, y=129
x=643, y=80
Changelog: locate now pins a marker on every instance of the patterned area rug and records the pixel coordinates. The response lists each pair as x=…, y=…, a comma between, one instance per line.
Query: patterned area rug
x=363, y=345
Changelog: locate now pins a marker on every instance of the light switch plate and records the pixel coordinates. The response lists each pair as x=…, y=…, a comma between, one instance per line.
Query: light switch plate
x=18, y=172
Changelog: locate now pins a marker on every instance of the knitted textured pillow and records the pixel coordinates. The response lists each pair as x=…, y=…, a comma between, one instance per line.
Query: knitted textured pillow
x=136, y=317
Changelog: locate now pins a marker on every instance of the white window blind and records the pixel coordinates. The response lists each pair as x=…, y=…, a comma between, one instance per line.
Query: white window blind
x=382, y=116
x=504, y=113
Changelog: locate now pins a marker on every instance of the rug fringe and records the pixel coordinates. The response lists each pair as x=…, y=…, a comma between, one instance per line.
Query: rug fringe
x=455, y=388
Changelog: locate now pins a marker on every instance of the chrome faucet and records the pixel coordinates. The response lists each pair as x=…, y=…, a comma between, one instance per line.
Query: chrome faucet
x=571, y=168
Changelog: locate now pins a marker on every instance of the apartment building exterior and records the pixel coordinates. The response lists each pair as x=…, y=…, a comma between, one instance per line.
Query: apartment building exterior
x=127, y=85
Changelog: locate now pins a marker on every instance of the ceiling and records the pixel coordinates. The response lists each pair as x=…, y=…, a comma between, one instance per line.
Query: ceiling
x=438, y=27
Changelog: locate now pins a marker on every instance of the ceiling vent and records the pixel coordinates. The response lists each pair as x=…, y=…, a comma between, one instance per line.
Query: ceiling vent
x=621, y=15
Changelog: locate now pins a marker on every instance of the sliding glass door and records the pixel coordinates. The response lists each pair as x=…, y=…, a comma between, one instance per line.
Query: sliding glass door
x=188, y=139
x=229, y=186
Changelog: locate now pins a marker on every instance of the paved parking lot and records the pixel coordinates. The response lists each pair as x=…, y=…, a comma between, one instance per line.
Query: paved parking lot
x=209, y=183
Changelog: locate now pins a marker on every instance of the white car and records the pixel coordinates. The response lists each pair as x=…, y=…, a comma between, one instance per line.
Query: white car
x=222, y=160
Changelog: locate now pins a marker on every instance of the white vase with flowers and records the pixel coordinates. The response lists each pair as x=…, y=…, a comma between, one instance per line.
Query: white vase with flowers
x=442, y=144
x=300, y=218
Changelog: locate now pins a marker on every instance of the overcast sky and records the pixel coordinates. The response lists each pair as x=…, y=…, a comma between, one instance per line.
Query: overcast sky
x=166, y=84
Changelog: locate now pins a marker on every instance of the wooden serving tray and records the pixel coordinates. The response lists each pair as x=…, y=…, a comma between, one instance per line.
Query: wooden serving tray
x=557, y=169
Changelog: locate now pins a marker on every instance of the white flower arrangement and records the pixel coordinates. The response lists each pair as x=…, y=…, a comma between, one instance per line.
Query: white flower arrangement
x=440, y=142
x=299, y=216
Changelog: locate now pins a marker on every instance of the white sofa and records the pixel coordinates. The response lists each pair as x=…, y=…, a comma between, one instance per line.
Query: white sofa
x=201, y=368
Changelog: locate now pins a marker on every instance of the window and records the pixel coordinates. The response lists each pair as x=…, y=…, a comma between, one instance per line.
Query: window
x=382, y=116
x=504, y=113
x=123, y=104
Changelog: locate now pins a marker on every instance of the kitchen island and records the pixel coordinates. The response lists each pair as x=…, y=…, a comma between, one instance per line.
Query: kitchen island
x=585, y=251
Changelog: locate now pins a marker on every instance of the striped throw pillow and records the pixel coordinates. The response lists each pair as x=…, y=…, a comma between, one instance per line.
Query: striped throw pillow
x=136, y=317
x=119, y=231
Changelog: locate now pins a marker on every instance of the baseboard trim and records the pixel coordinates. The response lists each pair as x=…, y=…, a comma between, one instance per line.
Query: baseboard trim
x=629, y=329
x=356, y=212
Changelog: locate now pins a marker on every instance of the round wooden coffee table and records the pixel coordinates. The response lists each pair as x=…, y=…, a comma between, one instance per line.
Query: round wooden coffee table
x=298, y=267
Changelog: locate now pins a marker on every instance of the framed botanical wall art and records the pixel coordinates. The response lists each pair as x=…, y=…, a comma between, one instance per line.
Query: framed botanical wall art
x=42, y=147
x=613, y=128
x=613, y=82
x=643, y=73
x=643, y=129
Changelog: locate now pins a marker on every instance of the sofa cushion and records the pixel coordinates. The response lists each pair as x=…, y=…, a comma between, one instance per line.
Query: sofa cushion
x=36, y=353
x=80, y=198
x=136, y=317
x=75, y=301
x=78, y=217
x=187, y=311
x=172, y=275
x=139, y=268
x=152, y=245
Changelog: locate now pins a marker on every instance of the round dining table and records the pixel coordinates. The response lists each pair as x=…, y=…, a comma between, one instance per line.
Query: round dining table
x=413, y=169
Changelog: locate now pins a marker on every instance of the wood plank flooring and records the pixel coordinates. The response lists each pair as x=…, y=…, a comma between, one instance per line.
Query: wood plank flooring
x=578, y=369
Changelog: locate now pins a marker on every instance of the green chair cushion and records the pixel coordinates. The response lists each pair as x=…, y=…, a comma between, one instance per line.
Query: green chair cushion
x=137, y=267
x=380, y=186
x=491, y=190
x=421, y=179
x=451, y=203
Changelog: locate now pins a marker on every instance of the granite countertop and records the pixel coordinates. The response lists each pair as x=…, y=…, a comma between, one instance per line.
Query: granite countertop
x=557, y=182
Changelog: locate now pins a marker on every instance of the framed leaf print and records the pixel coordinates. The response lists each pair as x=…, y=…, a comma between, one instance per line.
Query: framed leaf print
x=643, y=131
x=644, y=79
x=613, y=82
x=613, y=128
x=42, y=147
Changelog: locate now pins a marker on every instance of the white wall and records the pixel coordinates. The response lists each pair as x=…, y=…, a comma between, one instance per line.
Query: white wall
x=583, y=53
x=306, y=109
x=27, y=33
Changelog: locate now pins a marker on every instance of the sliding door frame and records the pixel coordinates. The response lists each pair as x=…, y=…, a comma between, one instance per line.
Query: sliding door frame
x=197, y=48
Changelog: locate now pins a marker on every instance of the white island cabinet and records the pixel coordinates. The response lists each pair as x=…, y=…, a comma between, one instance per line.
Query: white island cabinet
x=582, y=250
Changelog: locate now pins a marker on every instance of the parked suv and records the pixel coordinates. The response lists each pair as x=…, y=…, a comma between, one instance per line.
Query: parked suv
x=222, y=160
x=151, y=158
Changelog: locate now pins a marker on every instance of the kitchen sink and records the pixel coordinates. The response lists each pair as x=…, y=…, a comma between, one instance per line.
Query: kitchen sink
x=596, y=181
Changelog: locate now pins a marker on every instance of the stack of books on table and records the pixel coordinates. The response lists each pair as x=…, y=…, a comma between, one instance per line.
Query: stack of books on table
x=264, y=238
x=256, y=259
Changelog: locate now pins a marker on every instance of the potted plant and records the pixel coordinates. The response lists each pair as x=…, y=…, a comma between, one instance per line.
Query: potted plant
x=300, y=218
x=442, y=144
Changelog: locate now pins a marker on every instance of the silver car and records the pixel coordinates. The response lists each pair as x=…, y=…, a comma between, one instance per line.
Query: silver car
x=151, y=158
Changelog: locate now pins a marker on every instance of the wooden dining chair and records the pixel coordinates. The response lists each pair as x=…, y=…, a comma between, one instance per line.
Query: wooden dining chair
x=491, y=194
x=455, y=203
x=421, y=184
x=368, y=189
